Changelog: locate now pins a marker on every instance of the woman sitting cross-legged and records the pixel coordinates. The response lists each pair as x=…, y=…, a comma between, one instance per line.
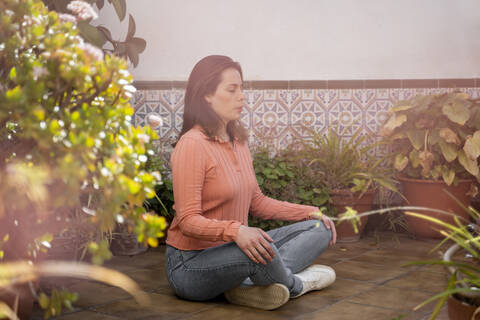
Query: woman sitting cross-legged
x=210, y=247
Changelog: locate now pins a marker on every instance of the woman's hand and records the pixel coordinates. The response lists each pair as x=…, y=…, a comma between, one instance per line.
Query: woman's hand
x=255, y=243
x=328, y=224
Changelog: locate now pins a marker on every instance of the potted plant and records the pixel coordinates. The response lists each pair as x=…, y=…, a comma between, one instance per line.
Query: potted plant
x=284, y=176
x=65, y=134
x=436, y=146
x=350, y=172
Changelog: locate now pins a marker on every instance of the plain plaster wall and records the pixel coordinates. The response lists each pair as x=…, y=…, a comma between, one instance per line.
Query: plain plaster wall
x=307, y=39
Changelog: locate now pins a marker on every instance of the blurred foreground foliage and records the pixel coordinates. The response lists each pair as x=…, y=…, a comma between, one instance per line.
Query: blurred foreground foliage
x=66, y=137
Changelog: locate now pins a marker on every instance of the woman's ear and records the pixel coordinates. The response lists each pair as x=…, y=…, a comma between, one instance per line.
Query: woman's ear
x=208, y=98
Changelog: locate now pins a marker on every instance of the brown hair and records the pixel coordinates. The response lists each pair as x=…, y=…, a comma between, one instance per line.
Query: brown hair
x=204, y=80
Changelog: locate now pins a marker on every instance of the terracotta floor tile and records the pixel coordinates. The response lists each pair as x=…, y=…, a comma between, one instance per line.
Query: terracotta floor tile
x=350, y=311
x=341, y=289
x=232, y=312
x=312, y=301
x=419, y=280
x=386, y=257
x=344, y=251
x=152, y=258
x=84, y=315
x=147, y=279
x=162, y=307
x=357, y=270
x=91, y=294
x=435, y=269
x=393, y=298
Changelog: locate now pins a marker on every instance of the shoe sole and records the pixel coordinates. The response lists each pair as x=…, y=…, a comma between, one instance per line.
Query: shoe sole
x=260, y=297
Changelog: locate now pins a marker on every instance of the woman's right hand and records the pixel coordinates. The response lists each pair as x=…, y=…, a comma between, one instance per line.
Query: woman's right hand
x=255, y=243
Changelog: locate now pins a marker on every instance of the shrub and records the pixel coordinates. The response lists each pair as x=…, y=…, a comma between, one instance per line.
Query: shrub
x=285, y=177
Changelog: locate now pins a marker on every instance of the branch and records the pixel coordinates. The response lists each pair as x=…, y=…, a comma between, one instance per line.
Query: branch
x=94, y=95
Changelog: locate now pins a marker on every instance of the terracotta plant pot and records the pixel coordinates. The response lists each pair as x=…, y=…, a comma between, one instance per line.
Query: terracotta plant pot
x=458, y=310
x=431, y=194
x=344, y=198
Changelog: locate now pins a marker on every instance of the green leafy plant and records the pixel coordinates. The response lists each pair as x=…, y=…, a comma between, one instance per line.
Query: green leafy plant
x=65, y=137
x=162, y=202
x=284, y=177
x=99, y=36
x=347, y=164
x=435, y=137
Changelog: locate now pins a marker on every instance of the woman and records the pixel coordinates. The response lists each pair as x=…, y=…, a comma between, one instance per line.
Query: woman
x=210, y=248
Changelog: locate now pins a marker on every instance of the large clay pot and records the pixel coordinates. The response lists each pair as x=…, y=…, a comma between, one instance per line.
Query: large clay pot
x=458, y=310
x=431, y=194
x=344, y=198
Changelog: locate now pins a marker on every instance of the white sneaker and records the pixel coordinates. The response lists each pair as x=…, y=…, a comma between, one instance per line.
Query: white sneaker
x=315, y=277
x=261, y=297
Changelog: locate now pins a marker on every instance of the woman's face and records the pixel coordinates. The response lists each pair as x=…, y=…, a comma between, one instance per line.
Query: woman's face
x=228, y=100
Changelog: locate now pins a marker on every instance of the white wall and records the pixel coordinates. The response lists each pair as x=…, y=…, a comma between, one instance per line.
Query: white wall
x=307, y=39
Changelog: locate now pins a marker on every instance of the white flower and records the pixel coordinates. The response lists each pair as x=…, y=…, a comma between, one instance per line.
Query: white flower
x=39, y=72
x=156, y=175
x=95, y=52
x=154, y=120
x=143, y=138
x=65, y=17
x=82, y=10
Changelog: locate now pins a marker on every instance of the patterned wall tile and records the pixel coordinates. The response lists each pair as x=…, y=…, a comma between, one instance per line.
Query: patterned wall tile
x=281, y=115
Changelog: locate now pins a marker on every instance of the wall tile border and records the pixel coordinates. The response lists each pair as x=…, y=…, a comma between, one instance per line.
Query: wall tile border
x=328, y=84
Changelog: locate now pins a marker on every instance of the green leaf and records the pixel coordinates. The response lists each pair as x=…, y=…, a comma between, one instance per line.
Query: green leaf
x=120, y=8
x=449, y=136
x=401, y=162
x=448, y=175
x=401, y=107
x=132, y=56
x=414, y=158
x=416, y=138
x=395, y=121
x=449, y=150
x=106, y=33
x=456, y=112
x=13, y=73
x=15, y=94
x=260, y=180
x=434, y=137
x=472, y=146
x=43, y=300
x=91, y=34
x=131, y=28
x=138, y=45
x=470, y=165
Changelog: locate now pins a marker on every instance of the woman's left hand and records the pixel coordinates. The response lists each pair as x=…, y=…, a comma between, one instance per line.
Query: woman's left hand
x=329, y=224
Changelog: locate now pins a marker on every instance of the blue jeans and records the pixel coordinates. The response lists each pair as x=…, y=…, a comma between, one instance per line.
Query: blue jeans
x=204, y=274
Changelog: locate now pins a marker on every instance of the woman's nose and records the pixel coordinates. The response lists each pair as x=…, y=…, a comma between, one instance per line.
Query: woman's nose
x=241, y=96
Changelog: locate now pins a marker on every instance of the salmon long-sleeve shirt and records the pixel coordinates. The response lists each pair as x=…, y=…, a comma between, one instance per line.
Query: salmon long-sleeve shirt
x=215, y=188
